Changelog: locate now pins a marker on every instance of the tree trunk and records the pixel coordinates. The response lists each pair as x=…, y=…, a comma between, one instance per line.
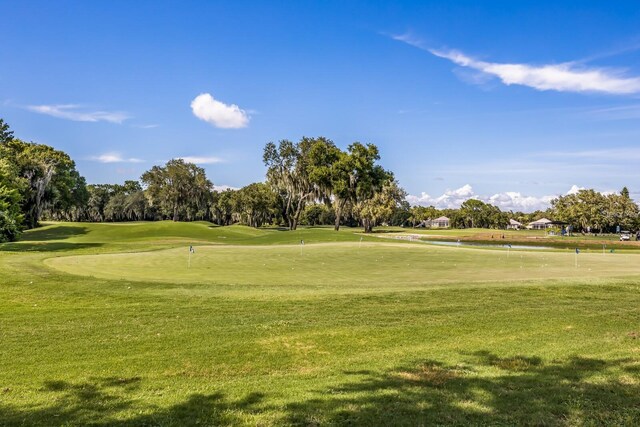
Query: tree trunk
x=296, y=215
x=287, y=213
x=338, y=216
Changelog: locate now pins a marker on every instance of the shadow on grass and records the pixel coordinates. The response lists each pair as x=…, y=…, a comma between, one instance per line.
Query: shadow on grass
x=483, y=390
x=383, y=231
x=105, y=402
x=58, y=232
x=48, y=240
x=45, y=246
x=278, y=228
x=518, y=390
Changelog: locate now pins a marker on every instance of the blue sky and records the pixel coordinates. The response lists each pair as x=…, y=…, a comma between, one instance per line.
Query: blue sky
x=511, y=102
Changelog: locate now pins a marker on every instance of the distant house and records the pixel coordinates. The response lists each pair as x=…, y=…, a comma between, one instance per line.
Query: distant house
x=541, y=224
x=442, y=222
x=514, y=225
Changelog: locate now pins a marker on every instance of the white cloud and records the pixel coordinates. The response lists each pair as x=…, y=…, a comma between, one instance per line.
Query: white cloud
x=566, y=77
x=202, y=160
x=514, y=201
x=424, y=199
x=74, y=112
x=221, y=188
x=506, y=201
x=563, y=77
x=574, y=189
x=219, y=114
x=449, y=200
x=114, y=158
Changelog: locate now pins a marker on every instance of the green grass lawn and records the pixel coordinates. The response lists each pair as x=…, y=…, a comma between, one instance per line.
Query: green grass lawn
x=105, y=324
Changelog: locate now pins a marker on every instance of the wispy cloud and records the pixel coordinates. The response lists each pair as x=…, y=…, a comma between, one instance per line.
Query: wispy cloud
x=566, y=77
x=78, y=113
x=628, y=47
x=624, y=112
x=563, y=77
x=411, y=40
x=114, y=158
x=219, y=114
x=202, y=160
x=153, y=126
x=622, y=154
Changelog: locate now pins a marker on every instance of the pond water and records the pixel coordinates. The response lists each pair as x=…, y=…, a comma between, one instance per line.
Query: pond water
x=485, y=245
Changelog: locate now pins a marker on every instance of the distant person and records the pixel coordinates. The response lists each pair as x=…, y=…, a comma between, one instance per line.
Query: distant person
x=638, y=236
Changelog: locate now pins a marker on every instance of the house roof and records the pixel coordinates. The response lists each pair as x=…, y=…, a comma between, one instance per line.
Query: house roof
x=442, y=218
x=541, y=221
x=514, y=222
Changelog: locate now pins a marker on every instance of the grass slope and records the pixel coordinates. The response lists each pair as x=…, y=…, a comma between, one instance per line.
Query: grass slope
x=260, y=332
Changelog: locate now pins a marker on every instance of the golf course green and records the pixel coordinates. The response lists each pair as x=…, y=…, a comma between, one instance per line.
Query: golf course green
x=118, y=324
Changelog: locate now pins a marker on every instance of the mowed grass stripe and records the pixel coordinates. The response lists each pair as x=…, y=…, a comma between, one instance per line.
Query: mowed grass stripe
x=381, y=266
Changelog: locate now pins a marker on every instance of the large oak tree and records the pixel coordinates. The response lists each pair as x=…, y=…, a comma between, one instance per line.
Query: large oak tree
x=180, y=190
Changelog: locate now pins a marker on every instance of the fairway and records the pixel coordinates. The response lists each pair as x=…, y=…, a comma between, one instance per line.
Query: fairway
x=347, y=267
x=106, y=324
x=320, y=214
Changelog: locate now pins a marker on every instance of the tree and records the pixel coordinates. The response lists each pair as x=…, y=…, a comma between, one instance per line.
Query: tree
x=115, y=202
x=355, y=178
x=620, y=211
x=6, y=134
x=317, y=214
x=380, y=206
x=471, y=211
x=256, y=204
x=401, y=214
x=475, y=213
x=99, y=195
x=312, y=213
x=49, y=178
x=69, y=197
x=591, y=210
x=136, y=207
x=300, y=173
x=10, y=190
x=625, y=193
x=115, y=208
x=179, y=189
x=10, y=212
x=222, y=206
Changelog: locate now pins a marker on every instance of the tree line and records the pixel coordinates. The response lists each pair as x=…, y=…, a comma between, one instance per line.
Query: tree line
x=589, y=210
x=308, y=182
